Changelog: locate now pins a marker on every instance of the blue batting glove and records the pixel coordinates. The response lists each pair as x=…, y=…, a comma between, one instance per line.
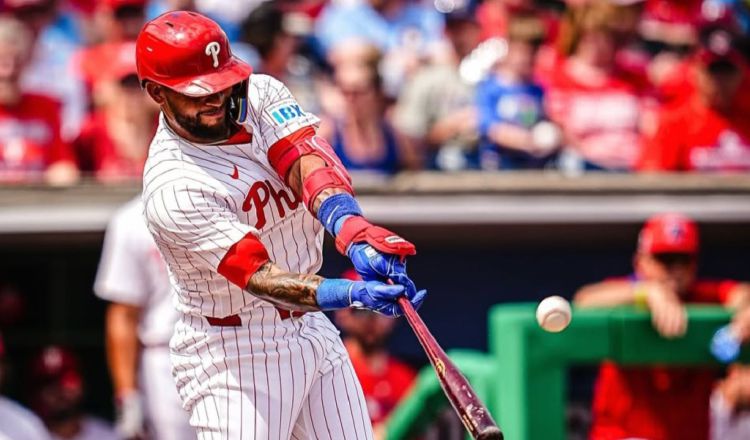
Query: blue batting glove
x=373, y=265
x=379, y=297
x=369, y=263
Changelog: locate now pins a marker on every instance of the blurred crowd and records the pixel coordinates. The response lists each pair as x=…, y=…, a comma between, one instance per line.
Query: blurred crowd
x=576, y=85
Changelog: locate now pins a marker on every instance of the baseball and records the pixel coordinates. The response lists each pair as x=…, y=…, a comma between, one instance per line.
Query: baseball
x=553, y=314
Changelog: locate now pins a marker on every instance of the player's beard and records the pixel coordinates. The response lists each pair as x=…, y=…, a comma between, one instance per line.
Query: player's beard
x=193, y=125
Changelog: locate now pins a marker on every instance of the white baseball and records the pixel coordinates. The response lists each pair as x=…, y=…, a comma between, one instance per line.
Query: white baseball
x=553, y=314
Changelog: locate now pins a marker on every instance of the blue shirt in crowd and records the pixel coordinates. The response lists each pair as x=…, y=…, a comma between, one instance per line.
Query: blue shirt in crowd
x=517, y=104
x=413, y=26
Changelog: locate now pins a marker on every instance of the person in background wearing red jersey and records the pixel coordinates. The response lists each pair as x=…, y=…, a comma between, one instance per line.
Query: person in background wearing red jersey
x=30, y=143
x=58, y=33
x=115, y=22
x=710, y=132
x=659, y=402
x=597, y=104
x=385, y=380
x=113, y=143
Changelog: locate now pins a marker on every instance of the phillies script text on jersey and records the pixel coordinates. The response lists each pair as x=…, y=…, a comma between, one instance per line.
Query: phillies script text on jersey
x=261, y=193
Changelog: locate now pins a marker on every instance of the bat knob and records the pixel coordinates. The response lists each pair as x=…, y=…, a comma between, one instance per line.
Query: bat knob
x=491, y=433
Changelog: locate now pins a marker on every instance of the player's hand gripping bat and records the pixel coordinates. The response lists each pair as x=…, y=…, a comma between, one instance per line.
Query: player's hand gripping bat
x=469, y=408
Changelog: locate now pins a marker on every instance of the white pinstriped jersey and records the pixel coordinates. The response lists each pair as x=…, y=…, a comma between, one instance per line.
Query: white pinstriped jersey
x=132, y=271
x=200, y=200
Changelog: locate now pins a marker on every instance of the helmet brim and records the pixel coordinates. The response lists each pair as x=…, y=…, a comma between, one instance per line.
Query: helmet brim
x=233, y=72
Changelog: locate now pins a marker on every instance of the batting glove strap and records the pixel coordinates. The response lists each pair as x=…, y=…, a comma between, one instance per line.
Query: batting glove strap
x=334, y=294
x=356, y=229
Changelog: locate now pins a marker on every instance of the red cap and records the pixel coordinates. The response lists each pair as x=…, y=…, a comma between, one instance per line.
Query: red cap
x=109, y=61
x=669, y=233
x=673, y=11
x=122, y=61
x=188, y=53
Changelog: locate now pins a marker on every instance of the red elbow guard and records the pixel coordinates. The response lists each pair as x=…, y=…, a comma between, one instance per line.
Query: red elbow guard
x=284, y=153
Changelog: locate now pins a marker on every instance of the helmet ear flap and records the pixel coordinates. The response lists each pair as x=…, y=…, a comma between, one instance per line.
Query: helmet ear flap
x=238, y=105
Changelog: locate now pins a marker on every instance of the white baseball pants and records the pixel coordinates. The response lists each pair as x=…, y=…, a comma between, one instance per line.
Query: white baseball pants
x=268, y=378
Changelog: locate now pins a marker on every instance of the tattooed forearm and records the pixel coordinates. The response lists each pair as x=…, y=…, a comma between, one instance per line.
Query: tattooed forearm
x=293, y=291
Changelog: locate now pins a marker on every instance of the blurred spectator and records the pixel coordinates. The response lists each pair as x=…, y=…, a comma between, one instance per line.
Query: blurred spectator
x=406, y=32
x=710, y=132
x=158, y=7
x=276, y=34
x=50, y=70
x=359, y=133
x=739, y=10
x=120, y=20
x=17, y=422
x=667, y=39
x=385, y=380
x=139, y=322
x=630, y=57
x=730, y=405
x=56, y=392
x=30, y=143
x=670, y=21
x=228, y=14
x=512, y=125
x=114, y=139
x=657, y=402
x=436, y=107
x=597, y=105
x=494, y=16
x=117, y=21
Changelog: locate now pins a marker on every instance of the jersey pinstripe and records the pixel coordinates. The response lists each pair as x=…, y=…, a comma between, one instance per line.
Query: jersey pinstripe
x=199, y=200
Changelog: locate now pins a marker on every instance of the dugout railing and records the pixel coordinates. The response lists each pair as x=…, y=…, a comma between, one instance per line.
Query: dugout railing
x=523, y=378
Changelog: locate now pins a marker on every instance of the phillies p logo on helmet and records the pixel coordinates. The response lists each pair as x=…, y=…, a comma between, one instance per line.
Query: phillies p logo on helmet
x=212, y=50
x=188, y=53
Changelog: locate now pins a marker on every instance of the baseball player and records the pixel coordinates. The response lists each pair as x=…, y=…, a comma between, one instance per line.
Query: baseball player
x=238, y=190
x=139, y=322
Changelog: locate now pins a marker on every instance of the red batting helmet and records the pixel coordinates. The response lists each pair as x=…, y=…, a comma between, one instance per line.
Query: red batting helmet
x=188, y=53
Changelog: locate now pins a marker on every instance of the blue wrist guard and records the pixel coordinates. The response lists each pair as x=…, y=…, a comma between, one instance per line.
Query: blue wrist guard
x=335, y=209
x=333, y=294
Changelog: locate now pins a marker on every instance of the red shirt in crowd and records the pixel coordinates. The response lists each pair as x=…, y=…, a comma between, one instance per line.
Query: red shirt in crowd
x=657, y=402
x=97, y=152
x=600, y=118
x=30, y=138
x=694, y=137
x=384, y=386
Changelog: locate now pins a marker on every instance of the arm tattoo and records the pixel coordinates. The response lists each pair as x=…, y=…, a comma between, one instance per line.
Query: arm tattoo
x=293, y=291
